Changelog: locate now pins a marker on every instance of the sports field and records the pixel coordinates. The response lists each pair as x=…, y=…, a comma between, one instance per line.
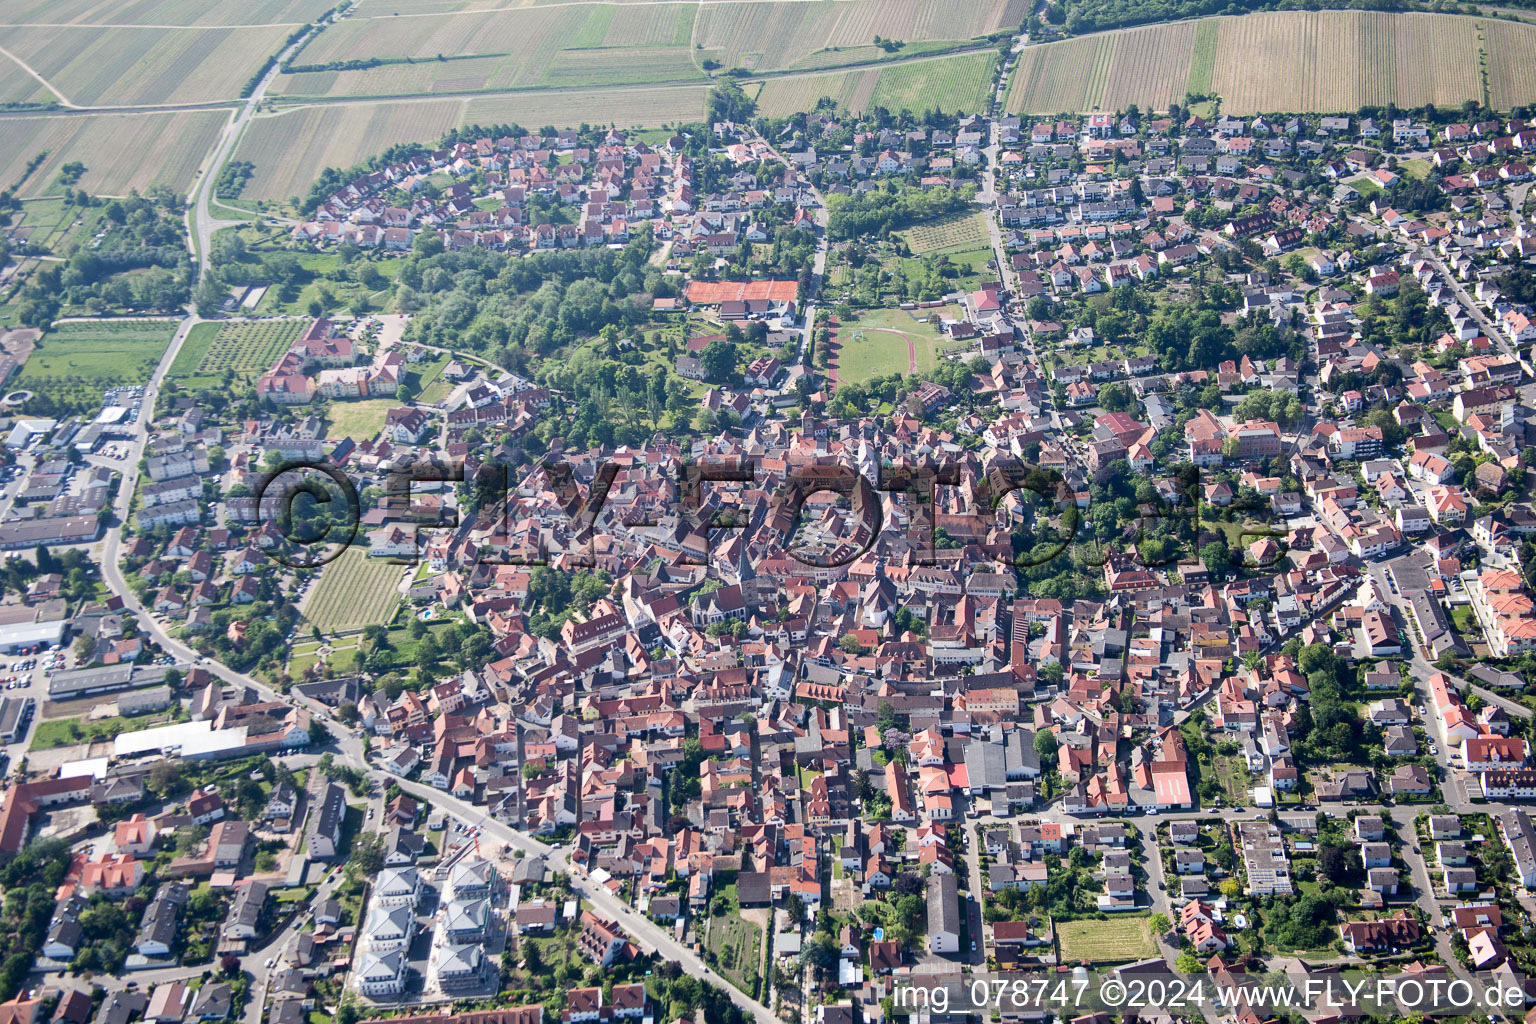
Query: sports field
x=74, y=362
x=354, y=591
x=1302, y=61
x=880, y=342
x=1118, y=940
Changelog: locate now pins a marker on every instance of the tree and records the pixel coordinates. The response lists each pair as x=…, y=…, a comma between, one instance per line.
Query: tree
x=718, y=361
x=1214, y=555
x=1159, y=924
x=1045, y=746
x=727, y=102
x=1188, y=963
x=165, y=778
x=1332, y=862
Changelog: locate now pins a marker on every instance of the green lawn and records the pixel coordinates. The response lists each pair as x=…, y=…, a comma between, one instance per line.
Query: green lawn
x=73, y=363
x=66, y=732
x=359, y=420
x=892, y=341
x=1118, y=940
x=354, y=591
x=419, y=377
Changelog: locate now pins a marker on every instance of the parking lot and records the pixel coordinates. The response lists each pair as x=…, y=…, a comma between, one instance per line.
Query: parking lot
x=26, y=674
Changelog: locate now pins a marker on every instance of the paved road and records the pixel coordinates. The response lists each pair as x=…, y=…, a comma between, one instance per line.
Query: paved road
x=646, y=933
x=201, y=224
x=818, y=265
x=1468, y=303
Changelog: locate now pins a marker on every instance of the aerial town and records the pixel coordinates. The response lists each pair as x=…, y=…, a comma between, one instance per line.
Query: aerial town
x=786, y=559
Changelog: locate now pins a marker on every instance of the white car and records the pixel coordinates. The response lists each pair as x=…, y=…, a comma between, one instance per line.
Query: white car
x=1434, y=751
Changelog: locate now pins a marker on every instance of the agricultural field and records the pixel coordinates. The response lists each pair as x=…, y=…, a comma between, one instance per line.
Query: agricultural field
x=1202, y=63
x=626, y=108
x=74, y=362
x=965, y=231
x=772, y=35
x=16, y=86
x=1511, y=69
x=289, y=13
x=248, y=349
x=145, y=65
x=353, y=591
x=120, y=151
x=1286, y=61
x=1342, y=60
x=290, y=149
x=489, y=47
x=962, y=83
x=781, y=97
x=1148, y=66
x=533, y=34
x=1119, y=940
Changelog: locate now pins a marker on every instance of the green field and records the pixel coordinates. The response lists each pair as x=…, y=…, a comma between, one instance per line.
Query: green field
x=73, y=363
x=354, y=591
x=959, y=233
x=892, y=342
x=52, y=224
x=735, y=945
x=359, y=420
x=955, y=84
x=246, y=348
x=1118, y=940
x=422, y=379
x=1202, y=66
x=66, y=732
